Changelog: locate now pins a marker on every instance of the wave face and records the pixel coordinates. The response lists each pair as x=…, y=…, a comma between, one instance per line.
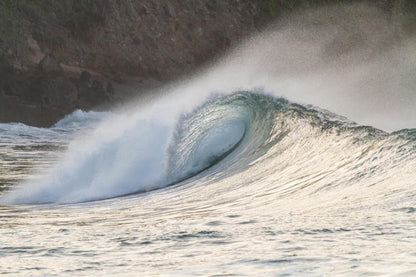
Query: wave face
x=223, y=130
x=289, y=147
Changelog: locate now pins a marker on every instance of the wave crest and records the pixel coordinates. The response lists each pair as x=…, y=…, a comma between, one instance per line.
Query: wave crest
x=227, y=135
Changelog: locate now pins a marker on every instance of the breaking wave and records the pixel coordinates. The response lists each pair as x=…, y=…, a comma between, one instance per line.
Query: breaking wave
x=299, y=147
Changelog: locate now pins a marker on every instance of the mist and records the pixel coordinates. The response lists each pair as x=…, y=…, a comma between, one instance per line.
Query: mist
x=353, y=60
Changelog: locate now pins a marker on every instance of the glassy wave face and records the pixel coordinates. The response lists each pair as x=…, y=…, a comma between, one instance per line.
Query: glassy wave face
x=298, y=149
x=244, y=184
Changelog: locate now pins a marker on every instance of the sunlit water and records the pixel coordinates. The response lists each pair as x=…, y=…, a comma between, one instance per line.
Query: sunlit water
x=300, y=192
x=216, y=175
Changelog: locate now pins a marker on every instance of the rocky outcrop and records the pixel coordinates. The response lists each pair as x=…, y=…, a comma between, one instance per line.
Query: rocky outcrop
x=41, y=95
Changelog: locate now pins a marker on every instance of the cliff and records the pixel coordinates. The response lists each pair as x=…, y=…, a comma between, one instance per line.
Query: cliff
x=58, y=56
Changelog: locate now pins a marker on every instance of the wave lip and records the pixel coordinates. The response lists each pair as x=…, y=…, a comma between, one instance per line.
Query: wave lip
x=223, y=131
x=227, y=135
x=133, y=155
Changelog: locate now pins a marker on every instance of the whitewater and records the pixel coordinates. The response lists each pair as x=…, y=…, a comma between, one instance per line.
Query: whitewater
x=295, y=154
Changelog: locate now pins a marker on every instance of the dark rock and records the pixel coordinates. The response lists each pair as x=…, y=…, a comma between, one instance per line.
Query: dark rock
x=49, y=64
x=59, y=92
x=97, y=85
x=110, y=89
x=85, y=77
x=170, y=11
x=88, y=98
x=13, y=110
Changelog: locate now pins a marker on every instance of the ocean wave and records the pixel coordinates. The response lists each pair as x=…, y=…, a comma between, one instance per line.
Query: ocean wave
x=79, y=119
x=224, y=136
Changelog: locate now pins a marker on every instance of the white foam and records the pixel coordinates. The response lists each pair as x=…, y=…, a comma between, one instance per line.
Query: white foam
x=79, y=119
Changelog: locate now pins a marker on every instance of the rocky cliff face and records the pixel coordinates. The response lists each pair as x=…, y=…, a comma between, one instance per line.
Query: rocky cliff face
x=57, y=56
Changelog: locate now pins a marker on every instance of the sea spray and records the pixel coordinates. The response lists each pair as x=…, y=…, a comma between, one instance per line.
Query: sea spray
x=342, y=65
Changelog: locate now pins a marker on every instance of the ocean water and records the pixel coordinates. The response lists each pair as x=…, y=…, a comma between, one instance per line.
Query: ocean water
x=246, y=168
x=248, y=185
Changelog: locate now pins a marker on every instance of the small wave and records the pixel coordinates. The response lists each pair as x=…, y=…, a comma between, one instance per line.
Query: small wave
x=79, y=119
